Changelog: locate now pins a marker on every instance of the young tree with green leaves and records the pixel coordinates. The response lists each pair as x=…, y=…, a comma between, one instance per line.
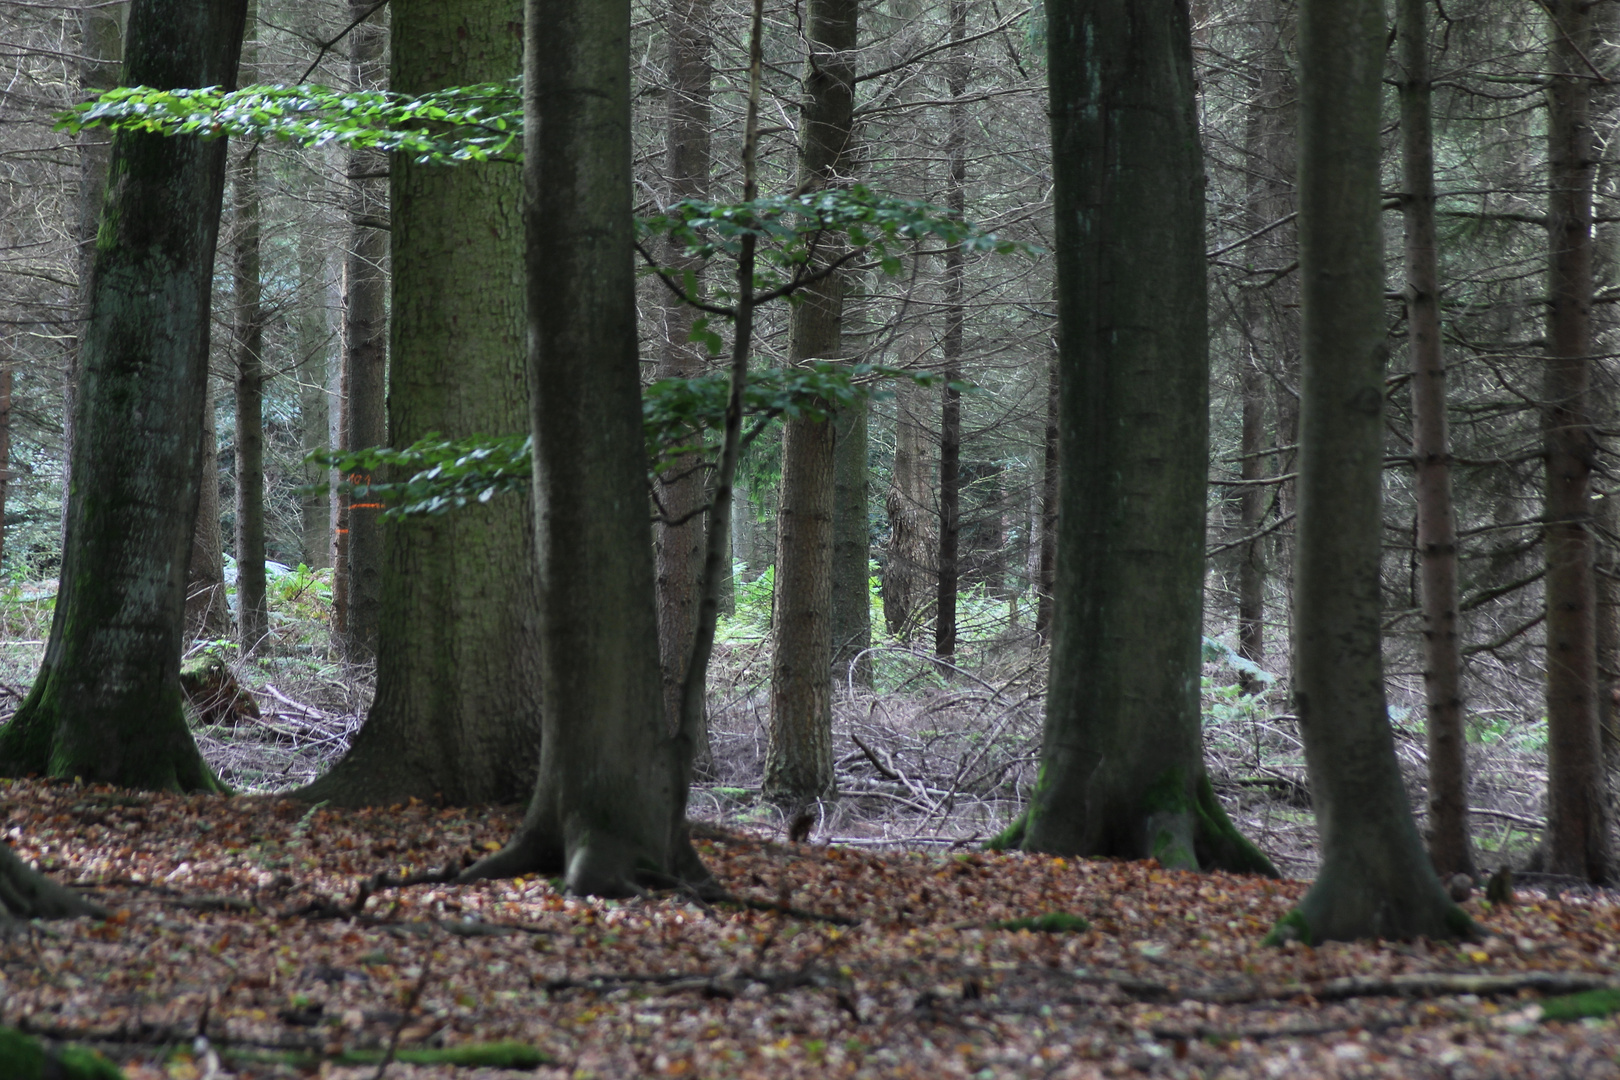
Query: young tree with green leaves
x=1122, y=768
x=456, y=714
x=1376, y=879
x=106, y=705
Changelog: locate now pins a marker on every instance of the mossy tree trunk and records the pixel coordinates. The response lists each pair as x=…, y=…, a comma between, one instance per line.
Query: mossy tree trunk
x=107, y=703
x=1122, y=770
x=208, y=614
x=1376, y=879
x=456, y=715
x=609, y=802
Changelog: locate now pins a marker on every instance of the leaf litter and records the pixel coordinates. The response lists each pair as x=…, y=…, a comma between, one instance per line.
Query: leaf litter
x=251, y=937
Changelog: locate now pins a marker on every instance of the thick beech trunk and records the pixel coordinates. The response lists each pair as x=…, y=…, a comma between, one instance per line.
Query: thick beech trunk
x=798, y=754
x=107, y=704
x=1449, y=844
x=457, y=713
x=1376, y=879
x=1576, y=842
x=681, y=528
x=1122, y=770
x=608, y=805
x=365, y=361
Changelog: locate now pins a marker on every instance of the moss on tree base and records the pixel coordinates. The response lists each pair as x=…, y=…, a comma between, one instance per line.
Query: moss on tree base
x=23, y=1057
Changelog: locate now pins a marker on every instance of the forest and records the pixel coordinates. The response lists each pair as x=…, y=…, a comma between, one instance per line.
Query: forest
x=808, y=537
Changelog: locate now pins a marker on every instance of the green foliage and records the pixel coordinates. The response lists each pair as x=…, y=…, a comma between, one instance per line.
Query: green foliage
x=793, y=233
x=456, y=124
x=679, y=416
x=25, y=1058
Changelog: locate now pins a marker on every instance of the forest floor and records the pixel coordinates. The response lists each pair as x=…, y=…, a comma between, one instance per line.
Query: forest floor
x=235, y=919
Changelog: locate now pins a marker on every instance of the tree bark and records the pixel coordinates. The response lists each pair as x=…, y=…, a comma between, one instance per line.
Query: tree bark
x=5, y=447
x=107, y=703
x=1376, y=880
x=910, y=560
x=680, y=542
x=365, y=360
x=798, y=754
x=1122, y=770
x=457, y=713
x=314, y=399
x=101, y=48
x=852, y=550
x=252, y=606
x=950, y=422
x=1576, y=841
x=25, y=893
x=208, y=613
x=1449, y=845
x=609, y=802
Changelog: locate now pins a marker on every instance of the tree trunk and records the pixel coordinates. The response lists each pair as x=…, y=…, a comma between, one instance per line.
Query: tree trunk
x=25, y=893
x=950, y=423
x=252, y=608
x=101, y=48
x=1577, y=833
x=314, y=407
x=798, y=754
x=456, y=716
x=680, y=542
x=5, y=448
x=1122, y=771
x=852, y=550
x=910, y=559
x=1449, y=845
x=1376, y=880
x=365, y=335
x=1052, y=465
x=107, y=703
x=609, y=802
x=208, y=612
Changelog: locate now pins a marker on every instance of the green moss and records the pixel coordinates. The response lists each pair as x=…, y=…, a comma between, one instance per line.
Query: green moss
x=1053, y=922
x=24, y=1058
x=1219, y=844
x=1171, y=853
x=1291, y=927
x=1461, y=926
x=1582, y=1005
x=1168, y=794
x=1012, y=836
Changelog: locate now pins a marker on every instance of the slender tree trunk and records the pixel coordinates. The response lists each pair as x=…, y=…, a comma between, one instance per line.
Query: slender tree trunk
x=314, y=399
x=798, y=754
x=1577, y=832
x=852, y=550
x=1376, y=880
x=680, y=543
x=457, y=714
x=1449, y=844
x=950, y=422
x=1122, y=771
x=608, y=805
x=910, y=561
x=107, y=704
x=5, y=447
x=365, y=312
x=208, y=613
x=252, y=610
